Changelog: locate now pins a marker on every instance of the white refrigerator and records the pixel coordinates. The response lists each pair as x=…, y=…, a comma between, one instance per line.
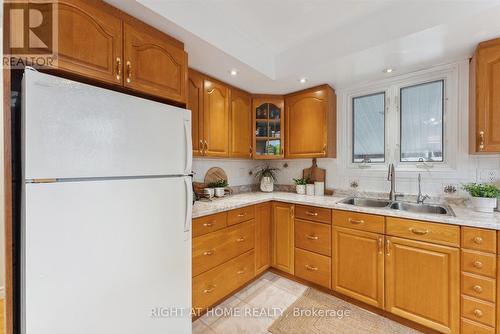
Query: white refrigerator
x=106, y=211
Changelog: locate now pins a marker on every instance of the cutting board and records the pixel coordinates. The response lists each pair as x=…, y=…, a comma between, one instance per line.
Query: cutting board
x=314, y=173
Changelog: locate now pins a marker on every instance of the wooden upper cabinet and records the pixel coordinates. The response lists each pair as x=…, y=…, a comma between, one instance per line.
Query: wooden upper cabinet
x=484, y=121
x=423, y=283
x=310, y=118
x=263, y=218
x=283, y=237
x=358, y=265
x=195, y=104
x=241, y=125
x=215, y=119
x=90, y=40
x=153, y=64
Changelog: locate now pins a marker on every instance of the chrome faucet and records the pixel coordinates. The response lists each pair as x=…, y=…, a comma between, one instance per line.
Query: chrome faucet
x=421, y=198
x=391, y=176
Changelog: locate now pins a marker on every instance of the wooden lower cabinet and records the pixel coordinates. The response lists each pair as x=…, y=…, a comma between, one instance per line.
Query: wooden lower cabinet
x=263, y=219
x=217, y=283
x=283, y=237
x=423, y=283
x=358, y=265
x=313, y=267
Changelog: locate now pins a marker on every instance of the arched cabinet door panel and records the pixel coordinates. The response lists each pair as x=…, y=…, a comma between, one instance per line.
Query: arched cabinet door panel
x=215, y=119
x=89, y=40
x=152, y=64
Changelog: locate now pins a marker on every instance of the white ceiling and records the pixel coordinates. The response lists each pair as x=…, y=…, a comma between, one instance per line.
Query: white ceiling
x=273, y=43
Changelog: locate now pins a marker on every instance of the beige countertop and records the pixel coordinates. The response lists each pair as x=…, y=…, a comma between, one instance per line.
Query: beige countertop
x=463, y=216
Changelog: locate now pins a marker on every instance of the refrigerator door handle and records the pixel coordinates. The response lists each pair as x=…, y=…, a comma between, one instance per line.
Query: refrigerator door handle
x=189, y=145
x=189, y=199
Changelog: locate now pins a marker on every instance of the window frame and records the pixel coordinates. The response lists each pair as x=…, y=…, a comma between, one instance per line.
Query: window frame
x=353, y=124
x=452, y=114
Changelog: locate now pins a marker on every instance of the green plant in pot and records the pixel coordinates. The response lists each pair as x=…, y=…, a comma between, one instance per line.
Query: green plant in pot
x=300, y=185
x=219, y=187
x=267, y=176
x=484, y=196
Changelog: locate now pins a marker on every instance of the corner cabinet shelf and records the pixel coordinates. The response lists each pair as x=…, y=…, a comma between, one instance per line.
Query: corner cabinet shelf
x=268, y=126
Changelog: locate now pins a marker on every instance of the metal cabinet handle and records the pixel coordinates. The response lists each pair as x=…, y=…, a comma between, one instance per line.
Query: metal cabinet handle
x=242, y=271
x=210, y=289
x=478, y=313
x=310, y=213
x=240, y=239
x=418, y=232
x=251, y=151
x=129, y=72
x=324, y=149
x=478, y=264
x=388, y=248
x=355, y=221
x=201, y=147
x=312, y=237
x=380, y=245
x=208, y=253
x=311, y=268
x=477, y=288
x=209, y=224
x=478, y=240
x=118, y=68
x=481, y=140
x=243, y=214
x=206, y=146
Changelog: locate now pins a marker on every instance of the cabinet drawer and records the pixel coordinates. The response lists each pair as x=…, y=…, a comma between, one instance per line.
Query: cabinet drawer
x=479, y=239
x=316, y=214
x=471, y=327
x=359, y=221
x=425, y=231
x=215, y=284
x=478, y=287
x=212, y=249
x=314, y=237
x=240, y=215
x=313, y=267
x=478, y=310
x=207, y=224
x=479, y=263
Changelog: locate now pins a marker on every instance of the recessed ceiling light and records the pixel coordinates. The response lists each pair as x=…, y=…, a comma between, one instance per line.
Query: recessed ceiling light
x=388, y=70
x=303, y=80
x=233, y=72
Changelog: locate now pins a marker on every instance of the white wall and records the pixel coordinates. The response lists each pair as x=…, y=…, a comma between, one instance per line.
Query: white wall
x=236, y=170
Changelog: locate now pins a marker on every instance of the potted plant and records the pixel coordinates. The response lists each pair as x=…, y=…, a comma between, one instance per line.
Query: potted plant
x=219, y=187
x=300, y=185
x=484, y=196
x=267, y=176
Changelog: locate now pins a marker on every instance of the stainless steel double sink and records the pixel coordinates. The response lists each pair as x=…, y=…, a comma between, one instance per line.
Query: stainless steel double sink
x=438, y=209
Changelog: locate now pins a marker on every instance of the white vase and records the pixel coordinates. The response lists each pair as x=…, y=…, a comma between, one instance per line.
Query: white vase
x=219, y=192
x=266, y=184
x=483, y=204
x=300, y=189
x=310, y=189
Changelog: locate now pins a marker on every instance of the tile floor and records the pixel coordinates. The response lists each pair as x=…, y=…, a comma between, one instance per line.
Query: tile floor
x=253, y=309
x=271, y=294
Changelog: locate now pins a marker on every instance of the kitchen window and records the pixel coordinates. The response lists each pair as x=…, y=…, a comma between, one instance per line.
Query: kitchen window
x=410, y=120
x=422, y=122
x=369, y=128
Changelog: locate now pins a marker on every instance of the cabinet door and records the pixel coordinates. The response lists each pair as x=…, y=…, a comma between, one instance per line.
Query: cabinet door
x=216, y=119
x=268, y=127
x=283, y=234
x=153, y=63
x=308, y=123
x=358, y=265
x=90, y=40
x=241, y=125
x=263, y=217
x=485, y=98
x=423, y=283
x=195, y=104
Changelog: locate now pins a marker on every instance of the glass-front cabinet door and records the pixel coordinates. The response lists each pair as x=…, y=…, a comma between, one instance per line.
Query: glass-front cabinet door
x=268, y=127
